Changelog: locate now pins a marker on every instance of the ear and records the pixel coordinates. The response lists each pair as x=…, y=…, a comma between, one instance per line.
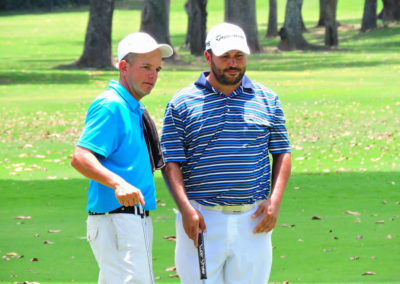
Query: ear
x=208, y=57
x=122, y=65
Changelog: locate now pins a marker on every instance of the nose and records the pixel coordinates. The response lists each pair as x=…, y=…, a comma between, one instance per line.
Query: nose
x=232, y=62
x=153, y=74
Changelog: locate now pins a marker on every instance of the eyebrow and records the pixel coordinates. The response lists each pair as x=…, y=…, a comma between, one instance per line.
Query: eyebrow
x=151, y=65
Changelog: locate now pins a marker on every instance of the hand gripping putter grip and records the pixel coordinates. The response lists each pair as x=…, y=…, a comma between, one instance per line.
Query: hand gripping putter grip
x=202, y=257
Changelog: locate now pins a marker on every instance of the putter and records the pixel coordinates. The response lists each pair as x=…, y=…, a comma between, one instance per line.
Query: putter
x=146, y=240
x=202, y=258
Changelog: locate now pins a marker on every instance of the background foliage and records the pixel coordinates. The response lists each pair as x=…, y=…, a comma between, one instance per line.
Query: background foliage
x=39, y=4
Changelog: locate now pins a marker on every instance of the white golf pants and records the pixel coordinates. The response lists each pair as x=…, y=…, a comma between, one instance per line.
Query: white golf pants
x=234, y=254
x=119, y=245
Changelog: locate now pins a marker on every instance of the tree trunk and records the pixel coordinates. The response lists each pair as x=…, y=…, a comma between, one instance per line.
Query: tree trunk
x=369, y=16
x=303, y=26
x=197, y=30
x=97, y=50
x=331, y=31
x=391, y=10
x=272, y=30
x=322, y=8
x=243, y=14
x=291, y=34
x=188, y=10
x=155, y=20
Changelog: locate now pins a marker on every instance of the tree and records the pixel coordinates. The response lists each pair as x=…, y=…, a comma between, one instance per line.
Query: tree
x=188, y=10
x=369, y=17
x=291, y=33
x=155, y=20
x=303, y=26
x=391, y=10
x=243, y=14
x=322, y=8
x=331, y=30
x=272, y=30
x=197, y=19
x=97, y=49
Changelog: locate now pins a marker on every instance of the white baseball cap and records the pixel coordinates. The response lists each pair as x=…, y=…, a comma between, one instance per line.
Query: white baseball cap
x=141, y=43
x=225, y=37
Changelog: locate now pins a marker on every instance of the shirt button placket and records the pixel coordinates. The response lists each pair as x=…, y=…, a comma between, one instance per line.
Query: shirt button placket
x=228, y=103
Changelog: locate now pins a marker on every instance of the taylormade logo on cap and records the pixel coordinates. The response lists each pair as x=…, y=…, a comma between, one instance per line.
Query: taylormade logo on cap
x=226, y=37
x=141, y=43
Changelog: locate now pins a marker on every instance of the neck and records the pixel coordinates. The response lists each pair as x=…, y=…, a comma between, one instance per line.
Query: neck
x=126, y=86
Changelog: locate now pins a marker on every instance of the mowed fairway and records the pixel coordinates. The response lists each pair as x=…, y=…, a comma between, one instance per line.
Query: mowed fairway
x=340, y=218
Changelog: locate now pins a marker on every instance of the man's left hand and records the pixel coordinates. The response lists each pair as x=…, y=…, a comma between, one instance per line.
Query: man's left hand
x=269, y=213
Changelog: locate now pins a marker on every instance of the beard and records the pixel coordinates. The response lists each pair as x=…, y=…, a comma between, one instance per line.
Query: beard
x=224, y=79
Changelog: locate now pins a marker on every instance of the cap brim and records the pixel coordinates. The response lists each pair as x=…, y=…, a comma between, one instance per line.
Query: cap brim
x=166, y=50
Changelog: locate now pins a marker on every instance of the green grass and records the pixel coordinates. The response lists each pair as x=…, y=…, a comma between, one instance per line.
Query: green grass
x=342, y=109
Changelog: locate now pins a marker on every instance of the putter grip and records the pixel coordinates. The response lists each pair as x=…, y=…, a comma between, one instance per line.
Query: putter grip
x=202, y=257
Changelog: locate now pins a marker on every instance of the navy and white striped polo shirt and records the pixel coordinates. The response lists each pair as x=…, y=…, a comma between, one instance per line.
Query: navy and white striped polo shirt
x=223, y=142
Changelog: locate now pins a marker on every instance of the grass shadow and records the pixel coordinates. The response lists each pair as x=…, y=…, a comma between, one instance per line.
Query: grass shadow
x=71, y=76
x=60, y=204
x=45, y=11
x=306, y=60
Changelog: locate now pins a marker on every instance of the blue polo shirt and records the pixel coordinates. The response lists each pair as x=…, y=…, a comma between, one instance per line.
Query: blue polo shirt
x=223, y=142
x=114, y=131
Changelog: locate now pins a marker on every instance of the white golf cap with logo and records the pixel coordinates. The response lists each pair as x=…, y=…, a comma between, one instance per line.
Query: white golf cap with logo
x=225, y=37
x=141, y=43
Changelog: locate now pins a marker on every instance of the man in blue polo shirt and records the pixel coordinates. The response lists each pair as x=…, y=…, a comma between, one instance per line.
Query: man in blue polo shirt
x=217, y=136
x=112, y=153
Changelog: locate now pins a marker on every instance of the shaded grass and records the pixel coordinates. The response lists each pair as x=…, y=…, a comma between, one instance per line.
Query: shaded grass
x=305, y=250
x=58, y=205
x=320, y=250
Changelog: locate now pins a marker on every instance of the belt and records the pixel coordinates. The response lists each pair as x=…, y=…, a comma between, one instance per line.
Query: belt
x=229, y=208
x=127, y=210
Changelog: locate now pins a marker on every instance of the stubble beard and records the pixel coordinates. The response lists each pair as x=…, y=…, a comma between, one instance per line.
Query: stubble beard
x=138, y=91
x=225, y=80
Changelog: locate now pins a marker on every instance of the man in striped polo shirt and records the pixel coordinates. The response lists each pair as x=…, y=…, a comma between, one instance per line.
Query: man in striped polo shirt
x=217, y=137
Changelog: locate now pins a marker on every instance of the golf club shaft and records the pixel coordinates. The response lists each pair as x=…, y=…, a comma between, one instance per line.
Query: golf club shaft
x=146, y=240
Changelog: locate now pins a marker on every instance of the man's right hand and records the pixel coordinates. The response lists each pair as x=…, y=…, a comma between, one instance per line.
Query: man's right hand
x=128, y=195
x=193, y=221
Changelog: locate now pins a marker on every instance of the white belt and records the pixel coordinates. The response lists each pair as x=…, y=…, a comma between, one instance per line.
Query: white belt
x=229, y=208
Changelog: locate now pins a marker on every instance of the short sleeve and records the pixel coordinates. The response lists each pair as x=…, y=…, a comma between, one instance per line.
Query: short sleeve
x=279, y=141
x=172, y=138
x=100, y=131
